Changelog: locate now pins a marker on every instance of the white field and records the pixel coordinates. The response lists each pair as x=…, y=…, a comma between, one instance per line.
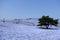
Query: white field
x=12, y=31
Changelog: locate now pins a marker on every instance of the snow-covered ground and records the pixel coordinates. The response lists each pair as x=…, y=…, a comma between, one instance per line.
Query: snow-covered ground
x=11, y=31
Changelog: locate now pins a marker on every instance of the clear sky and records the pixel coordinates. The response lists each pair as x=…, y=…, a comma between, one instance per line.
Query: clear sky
x=29, y=8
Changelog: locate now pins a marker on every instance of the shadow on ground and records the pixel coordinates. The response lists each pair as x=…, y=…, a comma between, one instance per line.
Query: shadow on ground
x=49, y=28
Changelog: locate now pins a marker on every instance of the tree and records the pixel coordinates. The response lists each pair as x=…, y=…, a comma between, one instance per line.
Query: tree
x=17, y=21
x=46, y=21
x=3, y=20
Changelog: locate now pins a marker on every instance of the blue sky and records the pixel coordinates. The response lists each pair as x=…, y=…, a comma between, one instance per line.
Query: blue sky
x=10, y=9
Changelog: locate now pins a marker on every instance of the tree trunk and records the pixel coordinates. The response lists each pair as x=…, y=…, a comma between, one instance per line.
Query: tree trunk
x=47, y=27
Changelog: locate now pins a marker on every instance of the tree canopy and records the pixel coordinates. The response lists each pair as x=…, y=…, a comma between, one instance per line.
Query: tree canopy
x=46, y=21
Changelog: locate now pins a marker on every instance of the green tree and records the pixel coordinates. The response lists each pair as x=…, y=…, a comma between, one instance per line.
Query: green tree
x=46, y=21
